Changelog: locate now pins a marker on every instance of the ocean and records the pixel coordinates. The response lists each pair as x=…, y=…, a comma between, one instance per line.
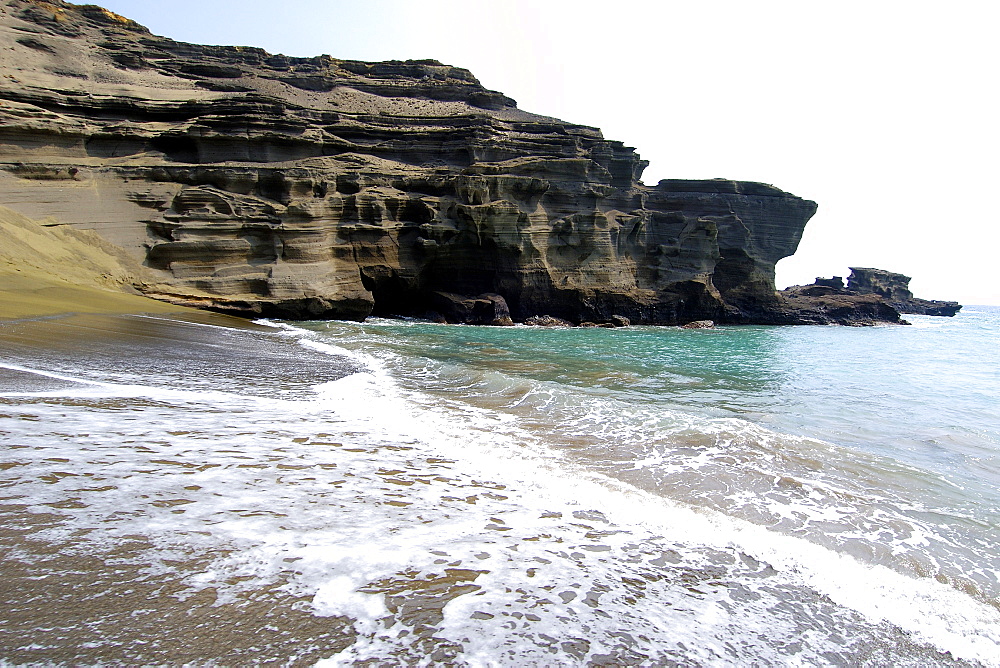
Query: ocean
x=399, y=492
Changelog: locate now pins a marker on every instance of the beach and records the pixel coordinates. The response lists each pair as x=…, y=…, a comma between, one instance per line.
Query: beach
x=66, y=597
x=177, y=490
x=498, y=396
x=66, y=305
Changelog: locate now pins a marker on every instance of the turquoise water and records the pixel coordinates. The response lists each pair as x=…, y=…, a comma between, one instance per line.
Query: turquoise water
x=412, y=493
x=903, y=421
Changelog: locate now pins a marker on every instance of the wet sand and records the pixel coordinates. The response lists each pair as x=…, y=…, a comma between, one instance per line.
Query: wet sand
x=67, y=290
x=66, y=602
x=189, y=345
x=70, y=324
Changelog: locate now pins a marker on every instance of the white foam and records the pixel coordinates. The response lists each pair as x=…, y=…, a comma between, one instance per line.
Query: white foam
x=53, y=375
x=930, y=610
x=340, y=593
x=276, y=494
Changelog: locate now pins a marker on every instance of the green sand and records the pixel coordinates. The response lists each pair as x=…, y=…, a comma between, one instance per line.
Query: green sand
x=49, y=269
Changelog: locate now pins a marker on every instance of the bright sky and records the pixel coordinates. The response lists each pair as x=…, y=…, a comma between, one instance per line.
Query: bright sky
x=883, y=112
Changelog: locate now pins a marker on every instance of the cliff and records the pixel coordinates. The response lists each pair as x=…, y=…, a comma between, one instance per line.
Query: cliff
x=262, y=184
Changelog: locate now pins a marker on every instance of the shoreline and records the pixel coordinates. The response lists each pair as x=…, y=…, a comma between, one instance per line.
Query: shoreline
x=204, y=442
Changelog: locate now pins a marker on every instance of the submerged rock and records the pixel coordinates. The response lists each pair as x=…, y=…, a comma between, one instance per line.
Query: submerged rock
x=263, y=184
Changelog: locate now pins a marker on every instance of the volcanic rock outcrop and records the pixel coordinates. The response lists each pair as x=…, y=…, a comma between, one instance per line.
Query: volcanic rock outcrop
x=895, y=289
x=263, y=184
x=828, y=302
x=871, y=296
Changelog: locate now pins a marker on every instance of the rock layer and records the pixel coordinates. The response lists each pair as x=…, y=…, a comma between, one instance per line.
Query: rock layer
x=262, y=184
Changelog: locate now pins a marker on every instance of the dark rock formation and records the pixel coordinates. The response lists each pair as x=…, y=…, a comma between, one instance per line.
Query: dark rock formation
x=820, y=304
x=546, y=321
x=834, y=282
x=871, y=296
x=486, y=309
x=895, y=289
x=262, y=184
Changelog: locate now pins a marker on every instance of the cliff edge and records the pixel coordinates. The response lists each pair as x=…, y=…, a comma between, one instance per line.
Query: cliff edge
x=260, y=184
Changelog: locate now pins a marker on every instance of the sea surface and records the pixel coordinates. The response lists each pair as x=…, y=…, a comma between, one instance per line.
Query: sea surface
x=406, y=493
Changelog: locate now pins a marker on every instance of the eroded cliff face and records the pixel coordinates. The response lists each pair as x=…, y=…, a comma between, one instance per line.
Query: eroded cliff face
x=324, y=188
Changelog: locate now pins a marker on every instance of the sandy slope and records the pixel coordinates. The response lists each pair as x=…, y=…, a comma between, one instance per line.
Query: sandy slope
x=46, y=269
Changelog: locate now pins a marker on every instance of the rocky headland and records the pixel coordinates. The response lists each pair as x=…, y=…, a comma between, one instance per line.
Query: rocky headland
x=870, y=296
x=265, y=185
x=895, y=289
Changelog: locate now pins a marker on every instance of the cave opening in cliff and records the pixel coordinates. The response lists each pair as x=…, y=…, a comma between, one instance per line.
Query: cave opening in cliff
x=176, y=148
x=273, y=186
x=391, y=294
x=469, y=276
x=417, y=212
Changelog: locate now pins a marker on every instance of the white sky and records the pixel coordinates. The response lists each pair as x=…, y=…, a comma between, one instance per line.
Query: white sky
x=885, y=113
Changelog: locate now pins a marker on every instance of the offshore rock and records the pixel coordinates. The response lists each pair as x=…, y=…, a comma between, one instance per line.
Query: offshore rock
x=546, y=321
x=827, y=305
x=871, y=296
x=262, y=184
x=895, y=289
x=834, y=282
x=486, y=309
